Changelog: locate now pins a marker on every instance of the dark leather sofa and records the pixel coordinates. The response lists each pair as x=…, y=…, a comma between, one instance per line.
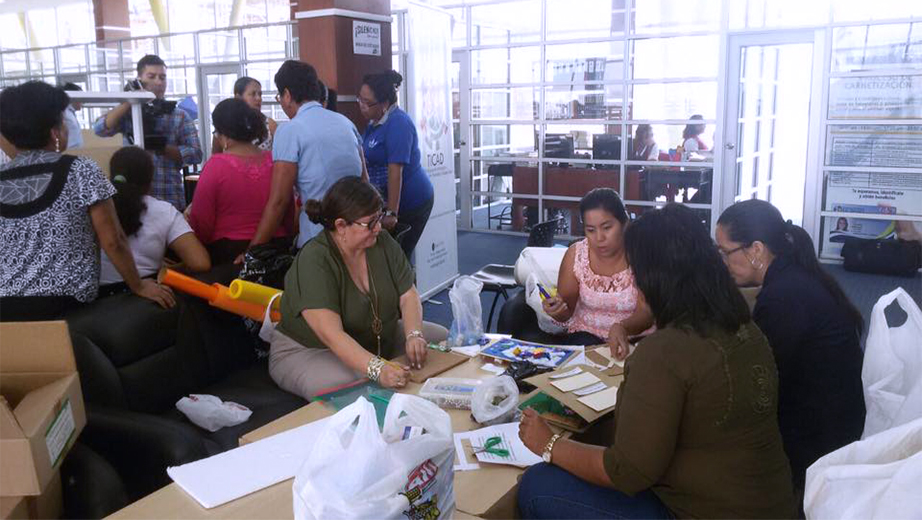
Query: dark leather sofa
x=135, y=361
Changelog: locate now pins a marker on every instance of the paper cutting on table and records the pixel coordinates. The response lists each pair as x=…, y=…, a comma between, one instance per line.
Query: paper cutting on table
x=601, y=401
x=591, y=389
x=573, y=383
x=568, y=373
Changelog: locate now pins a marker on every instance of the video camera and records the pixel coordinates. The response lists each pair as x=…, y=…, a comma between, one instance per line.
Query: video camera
x=150, y=111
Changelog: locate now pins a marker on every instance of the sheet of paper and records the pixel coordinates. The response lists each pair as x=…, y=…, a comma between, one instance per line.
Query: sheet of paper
x=249, y=468
x=600, y=401
x=577, y=359
x=581, y=380
x=490, y=367
x=463, y=464
x=610, y=361
x=469, y=350
x=591, y=389
x=568, y=373
x=519, y=455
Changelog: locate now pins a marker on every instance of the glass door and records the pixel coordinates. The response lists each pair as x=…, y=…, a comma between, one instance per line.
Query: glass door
x=461, y=120
x=217, y=84
x=770, y=81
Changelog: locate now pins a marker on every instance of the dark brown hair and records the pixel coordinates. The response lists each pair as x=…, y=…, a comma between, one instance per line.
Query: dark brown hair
x=350, y=199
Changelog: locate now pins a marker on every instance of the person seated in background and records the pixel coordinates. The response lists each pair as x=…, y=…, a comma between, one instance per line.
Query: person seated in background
x=311, y=152
x=170, y=133
x=345, y=295
x=153, y=226
x=645, y=148
x=690, y=140
x=250, y=90
x=696, y=426
x=74, y=132
x=56, y=212
x=812, y=327
x=327, y=97
x=597, y=299
x=234, y=186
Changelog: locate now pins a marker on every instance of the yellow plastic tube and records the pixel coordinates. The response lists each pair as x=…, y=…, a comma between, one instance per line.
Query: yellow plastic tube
x=254, y=293
x=253, y=311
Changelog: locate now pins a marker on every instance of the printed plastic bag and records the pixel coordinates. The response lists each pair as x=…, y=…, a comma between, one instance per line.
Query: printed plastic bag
x=403, y=472
x=211, y=413
x=892, y=371
x=875, y=478
x=495, y=401
x=533, y=299
x=467, y=312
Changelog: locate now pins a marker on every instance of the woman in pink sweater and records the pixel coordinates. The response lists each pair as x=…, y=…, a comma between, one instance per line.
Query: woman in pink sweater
x=234, y=186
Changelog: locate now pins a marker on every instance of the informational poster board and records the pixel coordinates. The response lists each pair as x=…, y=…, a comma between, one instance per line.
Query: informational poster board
x=876, y=97
x=882, y=146
x=366, y=38
x=428, y=81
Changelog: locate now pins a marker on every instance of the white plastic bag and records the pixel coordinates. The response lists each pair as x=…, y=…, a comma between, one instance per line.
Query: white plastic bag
x=533, y=299
x=482, y=403
x=356, y=471
x=211, y=413
x=877, y=477
x=892, y=370
x=467, y=312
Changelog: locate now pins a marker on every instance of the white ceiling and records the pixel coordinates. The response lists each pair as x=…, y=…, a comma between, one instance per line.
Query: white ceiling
x=16, y=6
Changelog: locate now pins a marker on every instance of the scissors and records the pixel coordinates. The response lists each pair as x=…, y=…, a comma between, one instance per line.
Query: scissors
x=489, y=447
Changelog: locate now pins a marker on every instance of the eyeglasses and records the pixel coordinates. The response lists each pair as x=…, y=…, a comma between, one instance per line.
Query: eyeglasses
x=367, y=104
x=726, y=254
x=375, y=220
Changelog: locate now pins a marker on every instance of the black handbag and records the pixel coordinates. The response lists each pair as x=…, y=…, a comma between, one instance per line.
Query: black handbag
x=882, y=256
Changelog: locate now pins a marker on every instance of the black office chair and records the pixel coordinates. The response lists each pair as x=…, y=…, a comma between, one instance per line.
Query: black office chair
x=505, y=215
x=499, y=279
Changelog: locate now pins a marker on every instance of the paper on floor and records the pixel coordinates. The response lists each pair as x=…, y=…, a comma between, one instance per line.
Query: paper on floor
x=249, y=468
x=578, y=381
x=601, y=401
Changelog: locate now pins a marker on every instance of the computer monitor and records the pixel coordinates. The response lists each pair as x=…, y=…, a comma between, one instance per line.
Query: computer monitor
x=606, y=147
x=558, y=146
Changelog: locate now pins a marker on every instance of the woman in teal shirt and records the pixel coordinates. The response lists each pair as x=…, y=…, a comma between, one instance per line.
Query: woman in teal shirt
x=392, y=155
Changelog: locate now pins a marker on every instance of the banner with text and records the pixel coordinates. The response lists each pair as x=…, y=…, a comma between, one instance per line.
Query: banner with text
x=429, y=63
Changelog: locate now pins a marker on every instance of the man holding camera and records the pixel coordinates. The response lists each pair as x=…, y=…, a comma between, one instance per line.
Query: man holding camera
x=169, y=133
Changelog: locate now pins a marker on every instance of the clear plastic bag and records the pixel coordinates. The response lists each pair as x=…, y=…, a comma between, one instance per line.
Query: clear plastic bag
x=211, y=413
x=467, y=312
x=533, y=299
x=495, y=401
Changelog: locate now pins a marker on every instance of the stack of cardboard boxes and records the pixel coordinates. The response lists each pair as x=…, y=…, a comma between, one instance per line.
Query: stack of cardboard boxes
x=41, y=415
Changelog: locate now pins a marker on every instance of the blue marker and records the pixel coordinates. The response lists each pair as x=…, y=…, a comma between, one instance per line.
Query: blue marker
x=544, y=293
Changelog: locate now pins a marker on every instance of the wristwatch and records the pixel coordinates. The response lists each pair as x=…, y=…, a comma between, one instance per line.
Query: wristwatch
x=546, y=456
x=390, y=213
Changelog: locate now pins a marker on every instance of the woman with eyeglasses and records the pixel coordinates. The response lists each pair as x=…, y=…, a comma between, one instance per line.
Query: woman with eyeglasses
x=345, y=296
x=811, y=325
x=392, y=155
x=233, y=190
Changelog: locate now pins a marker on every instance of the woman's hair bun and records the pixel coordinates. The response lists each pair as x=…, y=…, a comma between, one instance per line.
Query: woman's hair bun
x=314, y=210
x=395, y=78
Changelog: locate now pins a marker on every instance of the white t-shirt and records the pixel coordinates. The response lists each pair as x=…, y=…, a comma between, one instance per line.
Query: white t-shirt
x=161, y=224
x=74, y=136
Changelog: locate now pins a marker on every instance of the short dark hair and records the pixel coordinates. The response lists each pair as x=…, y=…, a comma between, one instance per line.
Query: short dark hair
x=300, y=79
x=327, y=97
x=29, y=112
x=242, y=83
x=132, y=171
x=604, y=198
x=679, y=270
x=384, y=85
x=71, y=87
x=350, y=199
x=148, y=61
x=757, y=220
x=234, y=118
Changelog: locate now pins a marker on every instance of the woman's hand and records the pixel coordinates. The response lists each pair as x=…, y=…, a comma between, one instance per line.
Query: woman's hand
x=534, y=431
x=416, y=351
x=617, y=340
x=393, y=376
x=161, y=294
x=556, y=308
x=389, y=222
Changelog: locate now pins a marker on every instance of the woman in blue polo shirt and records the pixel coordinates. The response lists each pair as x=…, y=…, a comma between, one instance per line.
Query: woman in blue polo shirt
x=392, y=155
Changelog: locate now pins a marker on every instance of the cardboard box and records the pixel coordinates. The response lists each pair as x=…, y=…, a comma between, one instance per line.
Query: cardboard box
x=50, y=504
x=41, y=413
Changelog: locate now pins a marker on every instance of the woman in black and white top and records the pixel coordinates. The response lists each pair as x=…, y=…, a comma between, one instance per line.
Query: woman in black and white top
x=53, y=209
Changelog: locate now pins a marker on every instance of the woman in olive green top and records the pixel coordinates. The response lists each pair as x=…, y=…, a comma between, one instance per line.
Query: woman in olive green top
x=696, y=430
x=344, y=295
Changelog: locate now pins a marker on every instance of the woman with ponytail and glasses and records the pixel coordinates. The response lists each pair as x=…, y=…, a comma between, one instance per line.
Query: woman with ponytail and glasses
x=151, y=225
x=811, y=325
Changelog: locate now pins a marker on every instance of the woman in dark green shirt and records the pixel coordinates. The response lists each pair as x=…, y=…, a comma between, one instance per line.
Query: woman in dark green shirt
x=696, y=429
x=344, y=295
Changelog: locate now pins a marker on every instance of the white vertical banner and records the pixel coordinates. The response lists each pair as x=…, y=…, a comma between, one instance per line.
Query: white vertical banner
x=429, y=104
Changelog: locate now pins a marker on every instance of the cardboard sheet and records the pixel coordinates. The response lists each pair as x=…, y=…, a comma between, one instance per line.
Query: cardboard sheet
x=436, y=363
x=576, y=382
x=571, y=400
x=601, y=355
